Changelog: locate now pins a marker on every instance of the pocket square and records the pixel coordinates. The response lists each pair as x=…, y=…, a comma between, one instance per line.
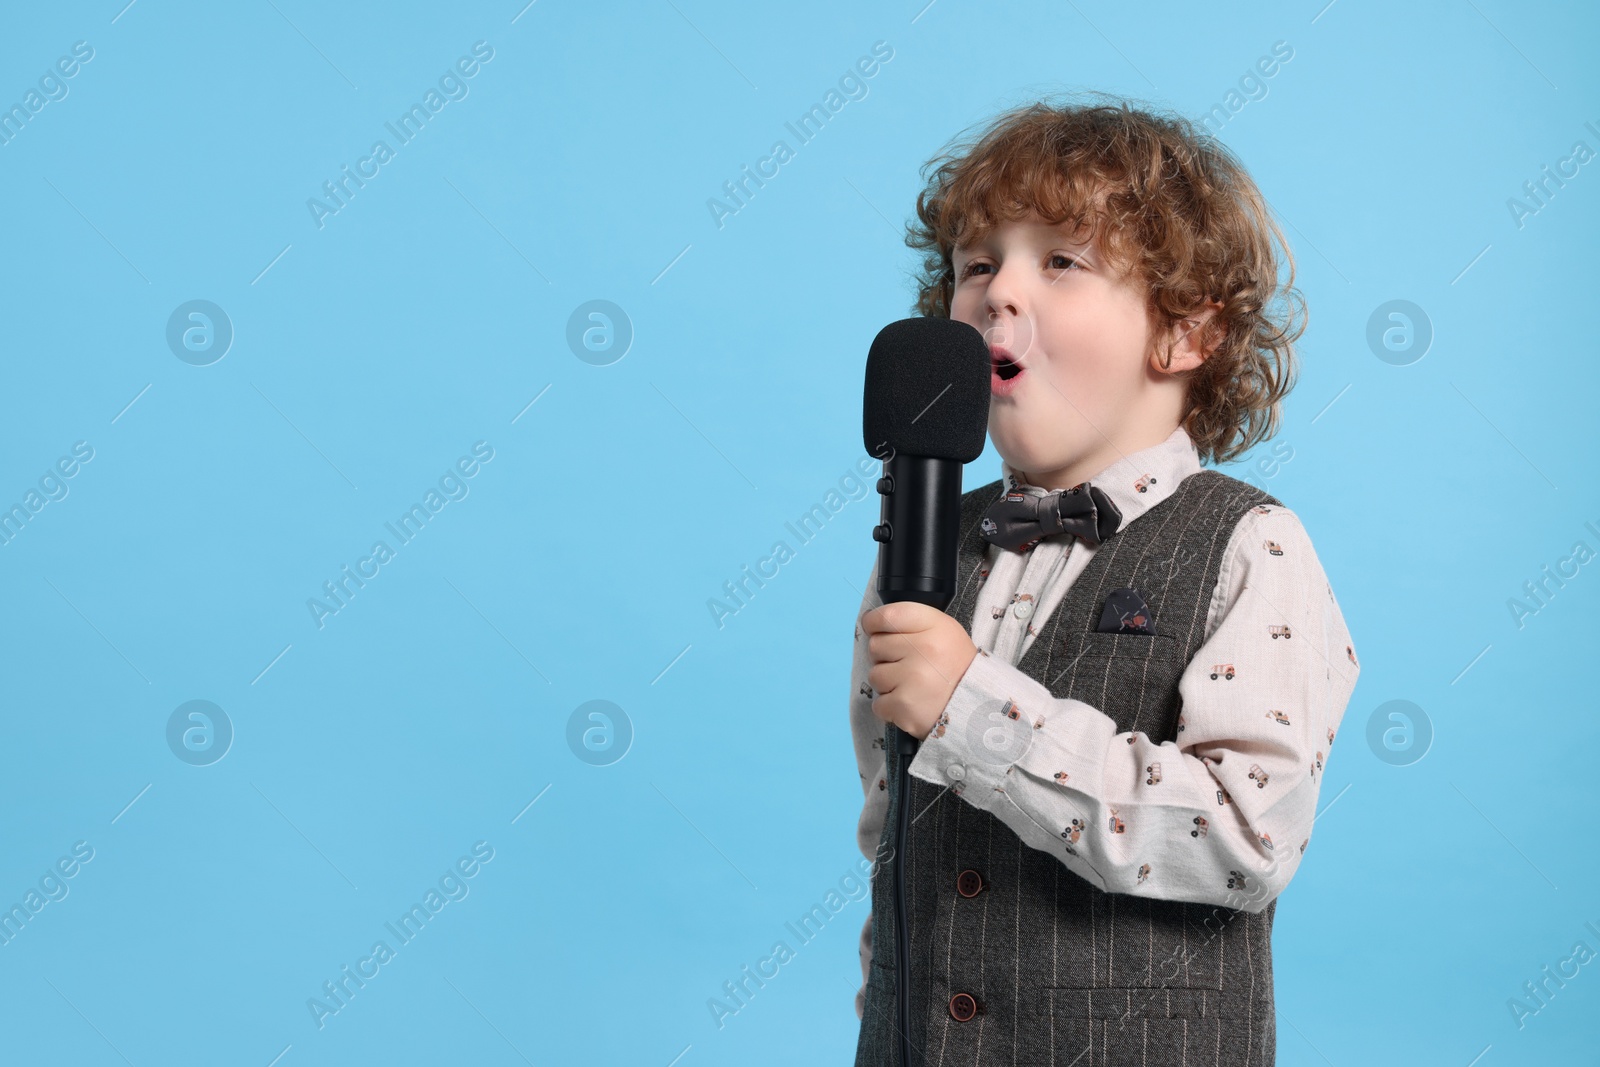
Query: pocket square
x=1125, y=612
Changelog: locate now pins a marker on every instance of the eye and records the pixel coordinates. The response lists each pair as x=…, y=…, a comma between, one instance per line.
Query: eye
x=1065, y=261
x=972, y=266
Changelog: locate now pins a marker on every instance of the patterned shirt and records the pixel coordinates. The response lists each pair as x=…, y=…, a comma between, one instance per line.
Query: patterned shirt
x=1262, y=698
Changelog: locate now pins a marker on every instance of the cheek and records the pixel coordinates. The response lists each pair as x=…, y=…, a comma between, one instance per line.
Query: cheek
x=1100, y=359
x=964, y=308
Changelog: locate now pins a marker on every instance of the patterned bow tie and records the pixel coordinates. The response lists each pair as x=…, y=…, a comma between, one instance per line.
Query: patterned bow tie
x=1020, y=520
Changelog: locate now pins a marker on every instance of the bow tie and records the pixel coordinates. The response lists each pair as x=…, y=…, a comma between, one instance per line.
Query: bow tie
x=1019, y=520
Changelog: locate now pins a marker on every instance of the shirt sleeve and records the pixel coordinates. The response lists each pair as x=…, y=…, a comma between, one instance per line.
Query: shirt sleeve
x=1223, y=813
x=867, y=731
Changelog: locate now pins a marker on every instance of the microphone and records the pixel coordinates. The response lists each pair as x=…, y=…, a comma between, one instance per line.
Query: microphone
x=925, y=414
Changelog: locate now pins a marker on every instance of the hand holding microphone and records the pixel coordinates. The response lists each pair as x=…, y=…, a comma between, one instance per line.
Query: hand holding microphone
x=919, y=654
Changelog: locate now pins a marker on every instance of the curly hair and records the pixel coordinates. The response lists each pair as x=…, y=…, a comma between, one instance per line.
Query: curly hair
x=1162, y=199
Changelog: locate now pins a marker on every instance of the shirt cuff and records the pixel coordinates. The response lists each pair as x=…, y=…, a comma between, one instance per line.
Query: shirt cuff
x=992, y=721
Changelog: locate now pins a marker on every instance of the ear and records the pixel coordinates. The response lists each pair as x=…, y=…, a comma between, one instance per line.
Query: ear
x=1189, y=341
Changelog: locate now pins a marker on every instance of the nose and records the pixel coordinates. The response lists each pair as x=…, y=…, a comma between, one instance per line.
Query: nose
x=1005, y=309
x=1002, y=298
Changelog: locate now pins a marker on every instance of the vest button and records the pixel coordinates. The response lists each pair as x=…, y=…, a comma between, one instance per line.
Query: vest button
x=963, y=1007
x=1023, y=609
x=969, y=883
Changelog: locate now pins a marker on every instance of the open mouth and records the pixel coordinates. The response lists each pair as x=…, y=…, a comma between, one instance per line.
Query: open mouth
x=1006, y=369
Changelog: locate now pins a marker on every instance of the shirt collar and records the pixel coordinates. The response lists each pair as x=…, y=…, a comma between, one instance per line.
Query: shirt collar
x=1136, y=482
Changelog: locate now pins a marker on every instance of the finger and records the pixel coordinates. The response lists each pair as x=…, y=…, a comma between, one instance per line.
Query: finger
x=884, y=680
x=889, y=647
x=902, y=616
x=879, y=620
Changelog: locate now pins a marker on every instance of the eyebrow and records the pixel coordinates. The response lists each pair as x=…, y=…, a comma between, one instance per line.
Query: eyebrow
x=1052, y=232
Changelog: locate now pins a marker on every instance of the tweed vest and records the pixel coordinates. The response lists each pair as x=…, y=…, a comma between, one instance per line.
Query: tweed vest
x=1062, y=972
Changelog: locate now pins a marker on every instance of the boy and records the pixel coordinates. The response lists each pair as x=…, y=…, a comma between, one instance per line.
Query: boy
x=1125, y=712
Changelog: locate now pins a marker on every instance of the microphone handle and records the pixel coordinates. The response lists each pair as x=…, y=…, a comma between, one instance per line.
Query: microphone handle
x=919, y=529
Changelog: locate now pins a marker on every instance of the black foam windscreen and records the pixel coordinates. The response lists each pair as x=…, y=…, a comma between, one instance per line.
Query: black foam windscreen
x=927, y=390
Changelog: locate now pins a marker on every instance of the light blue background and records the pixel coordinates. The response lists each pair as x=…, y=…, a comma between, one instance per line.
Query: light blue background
x=430, y=311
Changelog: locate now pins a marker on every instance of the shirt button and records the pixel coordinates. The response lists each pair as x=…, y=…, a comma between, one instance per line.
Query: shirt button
x=955, y=770
x=969, y=883
x=1023, y=609
x=963, y=1007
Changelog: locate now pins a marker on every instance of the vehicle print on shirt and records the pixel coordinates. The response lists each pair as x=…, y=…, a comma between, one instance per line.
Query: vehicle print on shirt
x=1074, y=830
x=1279, y=631
x=1259, y=775
x=1303, y=845
x=939, y=727
x=1201, y=827
x=1223, y=796
x=1330, y=737
x=1011, y=710
x=1117, y=825
x=1235, y=880
x=1273, y=548
x=1351, y=653
x=1277, y=716
x=1181, y=722
x=1152, y=774
x=1144, y=872
x=883, y=785
x=1143, y=484
x=1061, y=777
x=1261, y=509
x=1223, y=670
x=1266, y=840
x=1316, y=766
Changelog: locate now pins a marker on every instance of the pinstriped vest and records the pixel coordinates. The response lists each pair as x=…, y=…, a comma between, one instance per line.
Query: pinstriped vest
x=1062, y=972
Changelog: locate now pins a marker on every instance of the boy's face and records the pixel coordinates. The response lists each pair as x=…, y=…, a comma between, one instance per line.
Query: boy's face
x=1087, y=392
